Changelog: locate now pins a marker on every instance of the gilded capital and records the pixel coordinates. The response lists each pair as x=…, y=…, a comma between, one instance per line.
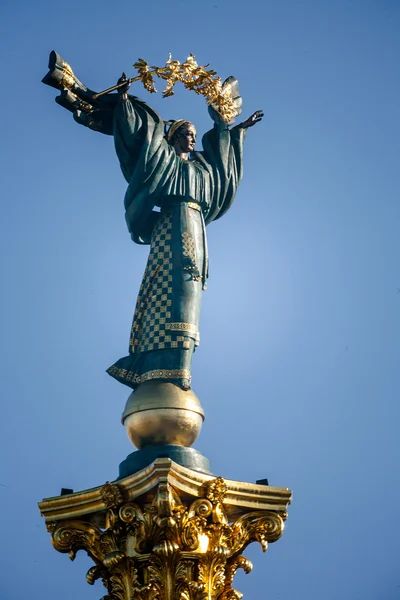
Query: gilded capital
x=164, y=539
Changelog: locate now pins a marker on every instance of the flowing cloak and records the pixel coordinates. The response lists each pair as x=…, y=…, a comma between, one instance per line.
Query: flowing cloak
x=168, y=202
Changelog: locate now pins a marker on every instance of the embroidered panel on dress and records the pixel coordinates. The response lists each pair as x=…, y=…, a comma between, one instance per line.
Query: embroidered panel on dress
x=189, y=328
x=189, y=256
x=150, y=328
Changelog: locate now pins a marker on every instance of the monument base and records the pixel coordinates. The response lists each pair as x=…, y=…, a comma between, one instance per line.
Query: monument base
x=167, y=531
x=185, y=457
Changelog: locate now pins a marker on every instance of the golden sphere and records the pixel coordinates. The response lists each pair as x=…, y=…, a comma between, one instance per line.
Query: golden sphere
x=159, y=413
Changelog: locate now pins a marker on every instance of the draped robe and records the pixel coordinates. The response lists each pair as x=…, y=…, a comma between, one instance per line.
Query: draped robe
x=168, y=203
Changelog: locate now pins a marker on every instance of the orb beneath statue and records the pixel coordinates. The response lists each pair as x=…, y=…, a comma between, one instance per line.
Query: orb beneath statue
x=159, y=413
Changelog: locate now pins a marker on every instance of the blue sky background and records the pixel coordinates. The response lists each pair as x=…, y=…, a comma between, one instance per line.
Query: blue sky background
x=298, y=368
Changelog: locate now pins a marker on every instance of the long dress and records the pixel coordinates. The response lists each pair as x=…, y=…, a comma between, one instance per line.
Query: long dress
x=168, y=202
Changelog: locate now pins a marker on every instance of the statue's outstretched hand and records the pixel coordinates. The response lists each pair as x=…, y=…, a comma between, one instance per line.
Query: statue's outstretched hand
x=124, y=88
x=255, y=118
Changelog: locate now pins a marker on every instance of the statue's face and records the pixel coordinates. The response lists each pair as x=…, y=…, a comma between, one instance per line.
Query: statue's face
x=185, y=138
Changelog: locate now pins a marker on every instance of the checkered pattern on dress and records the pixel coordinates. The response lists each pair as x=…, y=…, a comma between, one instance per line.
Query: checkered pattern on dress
x=153, y=308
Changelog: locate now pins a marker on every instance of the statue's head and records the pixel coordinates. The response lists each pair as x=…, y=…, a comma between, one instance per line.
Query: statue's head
x=182, y=136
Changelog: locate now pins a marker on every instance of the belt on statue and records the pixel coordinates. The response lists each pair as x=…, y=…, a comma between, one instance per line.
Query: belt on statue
x=168, y=207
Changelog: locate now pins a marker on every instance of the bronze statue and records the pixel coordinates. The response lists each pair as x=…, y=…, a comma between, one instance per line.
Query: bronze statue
x=173, y=193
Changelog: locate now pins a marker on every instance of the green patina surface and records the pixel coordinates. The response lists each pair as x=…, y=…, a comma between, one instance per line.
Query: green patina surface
x=168, y=204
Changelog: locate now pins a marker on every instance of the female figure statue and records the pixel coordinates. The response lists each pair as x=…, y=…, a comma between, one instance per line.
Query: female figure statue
x=173, y=193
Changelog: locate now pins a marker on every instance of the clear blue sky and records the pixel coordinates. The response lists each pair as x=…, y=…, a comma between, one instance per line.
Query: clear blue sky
x=298, y=368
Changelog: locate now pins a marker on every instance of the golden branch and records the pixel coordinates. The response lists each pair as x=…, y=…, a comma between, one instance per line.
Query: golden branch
x=198, y=78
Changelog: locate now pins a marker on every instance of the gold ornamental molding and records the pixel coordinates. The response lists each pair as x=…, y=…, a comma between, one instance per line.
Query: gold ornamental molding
x=167, y=533
x=239, y=499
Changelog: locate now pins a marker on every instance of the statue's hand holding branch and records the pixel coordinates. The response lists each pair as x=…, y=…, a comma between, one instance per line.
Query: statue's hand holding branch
x=255, y=118
x=123, y=90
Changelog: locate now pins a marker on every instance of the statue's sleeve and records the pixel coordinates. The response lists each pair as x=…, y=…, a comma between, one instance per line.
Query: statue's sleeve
x=147, y=162
x=223, y=151
x=128, y=136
